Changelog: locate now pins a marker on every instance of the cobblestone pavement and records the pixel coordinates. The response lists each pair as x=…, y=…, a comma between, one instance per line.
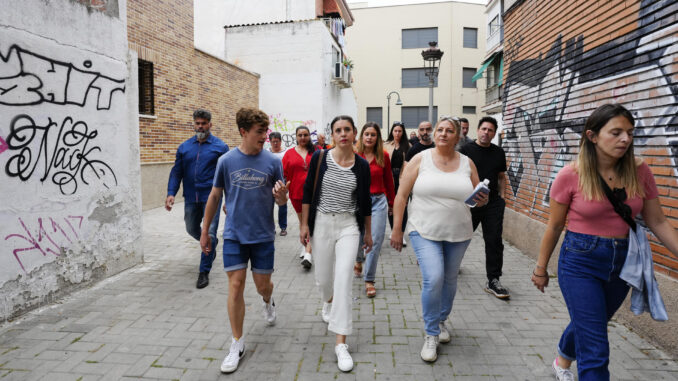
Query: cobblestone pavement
x=151, y=322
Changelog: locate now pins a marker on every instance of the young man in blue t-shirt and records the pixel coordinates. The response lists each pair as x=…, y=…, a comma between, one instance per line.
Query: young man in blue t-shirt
x=251, y=179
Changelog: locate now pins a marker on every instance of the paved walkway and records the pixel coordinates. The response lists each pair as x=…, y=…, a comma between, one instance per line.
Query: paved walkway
x=151, y=322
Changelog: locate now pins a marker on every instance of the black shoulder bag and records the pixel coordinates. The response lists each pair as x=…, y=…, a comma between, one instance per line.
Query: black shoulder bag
x=617, y=198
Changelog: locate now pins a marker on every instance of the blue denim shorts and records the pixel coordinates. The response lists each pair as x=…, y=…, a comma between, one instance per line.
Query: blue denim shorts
x=236, y=256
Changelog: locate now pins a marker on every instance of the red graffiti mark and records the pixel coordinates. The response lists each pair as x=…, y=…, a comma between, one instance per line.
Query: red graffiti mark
x=48, y=241
x=3, y=145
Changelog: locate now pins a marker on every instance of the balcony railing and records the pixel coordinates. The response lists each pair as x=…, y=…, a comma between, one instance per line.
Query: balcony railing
x=494, y=94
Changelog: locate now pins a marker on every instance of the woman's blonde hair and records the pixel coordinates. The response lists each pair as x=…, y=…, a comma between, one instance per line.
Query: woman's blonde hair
x=586, y=164
x=378, y=148
x=453, y=120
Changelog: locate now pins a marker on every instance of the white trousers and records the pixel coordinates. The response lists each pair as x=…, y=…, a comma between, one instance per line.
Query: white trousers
x=335, y=241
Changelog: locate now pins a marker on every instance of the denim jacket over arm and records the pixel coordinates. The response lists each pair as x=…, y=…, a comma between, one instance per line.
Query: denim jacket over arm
x=638, y=272
x=361, y=170
x=195, y=165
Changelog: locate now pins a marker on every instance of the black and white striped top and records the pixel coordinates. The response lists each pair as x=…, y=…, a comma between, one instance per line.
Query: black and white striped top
x=338, y=189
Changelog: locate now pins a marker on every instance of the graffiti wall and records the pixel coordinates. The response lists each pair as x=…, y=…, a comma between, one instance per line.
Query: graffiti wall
x=69, y=159
x=560, y=69
x=287, y=128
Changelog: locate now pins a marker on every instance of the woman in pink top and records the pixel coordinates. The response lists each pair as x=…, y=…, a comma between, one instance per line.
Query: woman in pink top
x=596, y=243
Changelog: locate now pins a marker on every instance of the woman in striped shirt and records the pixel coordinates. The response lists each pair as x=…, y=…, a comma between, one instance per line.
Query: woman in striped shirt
x=336, y=209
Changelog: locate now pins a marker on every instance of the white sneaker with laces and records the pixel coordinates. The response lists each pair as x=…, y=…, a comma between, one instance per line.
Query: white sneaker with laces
x=444, y=336
x=561, y=374
x=327, y=308
x=429, y=352
x=237, y=351
x=269, y=312
x=344, y=359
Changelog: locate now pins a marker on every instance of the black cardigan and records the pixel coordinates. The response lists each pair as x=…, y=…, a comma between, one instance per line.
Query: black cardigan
x=361, y=170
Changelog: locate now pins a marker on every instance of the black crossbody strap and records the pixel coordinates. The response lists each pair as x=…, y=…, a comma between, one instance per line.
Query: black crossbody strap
x=623, y=210
x=317, y=170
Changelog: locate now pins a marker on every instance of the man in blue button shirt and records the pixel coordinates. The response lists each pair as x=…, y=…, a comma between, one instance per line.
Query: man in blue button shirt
x=195, y=165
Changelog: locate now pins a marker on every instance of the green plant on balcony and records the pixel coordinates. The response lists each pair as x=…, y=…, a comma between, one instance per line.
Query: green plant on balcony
x=348, y=64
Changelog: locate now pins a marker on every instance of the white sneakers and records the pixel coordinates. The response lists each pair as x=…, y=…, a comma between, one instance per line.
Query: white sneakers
x=327, y=308
x=444, y=336
x=429, y=352
x=307, y=261
x=344, y=359
x=561, y=374
x=269, y=312
x=237, y=351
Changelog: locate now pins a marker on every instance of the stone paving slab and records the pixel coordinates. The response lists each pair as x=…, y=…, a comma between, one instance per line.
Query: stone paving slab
x=150, y=322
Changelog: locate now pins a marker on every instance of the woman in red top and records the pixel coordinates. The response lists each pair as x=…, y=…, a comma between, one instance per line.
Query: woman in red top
x=295, y=168
x=371, y=148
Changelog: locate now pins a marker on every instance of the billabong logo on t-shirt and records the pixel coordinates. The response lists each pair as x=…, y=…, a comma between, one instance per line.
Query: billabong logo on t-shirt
x=248, y=178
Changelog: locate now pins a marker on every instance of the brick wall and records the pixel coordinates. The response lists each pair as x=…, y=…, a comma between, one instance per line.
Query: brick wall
x=161, y=31
x=565, y=58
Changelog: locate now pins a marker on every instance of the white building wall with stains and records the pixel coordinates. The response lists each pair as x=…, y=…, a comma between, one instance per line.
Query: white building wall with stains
x=70, y=210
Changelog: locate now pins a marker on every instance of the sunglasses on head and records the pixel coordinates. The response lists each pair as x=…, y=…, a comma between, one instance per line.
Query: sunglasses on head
x=448, y=117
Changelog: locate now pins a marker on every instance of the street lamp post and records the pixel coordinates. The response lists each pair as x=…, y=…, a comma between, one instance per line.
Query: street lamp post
x=431, y=56
x=388, y=108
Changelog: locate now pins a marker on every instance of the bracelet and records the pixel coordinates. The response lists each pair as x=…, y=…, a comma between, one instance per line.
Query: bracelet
x=540, y=276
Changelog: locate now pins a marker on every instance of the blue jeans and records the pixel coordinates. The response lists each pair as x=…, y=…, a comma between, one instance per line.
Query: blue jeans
x=379, y=218
x=439, y=262
x=588, y=274
x=282, y=216
x=193, y=214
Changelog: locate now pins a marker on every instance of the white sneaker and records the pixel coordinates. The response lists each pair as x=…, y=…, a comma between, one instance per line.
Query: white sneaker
x=561, y=374
x=404, y=242
x=327, y=308
x=429, y=352
x=269, y=312
x=344, y=359
x=307, y=262
x=301, y=254
x=444, y=336
x=236, y=352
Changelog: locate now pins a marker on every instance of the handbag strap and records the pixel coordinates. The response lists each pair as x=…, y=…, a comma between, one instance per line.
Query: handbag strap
x=317, y=170
x=623, y=210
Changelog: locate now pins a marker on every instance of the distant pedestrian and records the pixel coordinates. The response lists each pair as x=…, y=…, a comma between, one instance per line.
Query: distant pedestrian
x=491, y=163
x=195, y=163
x=251, y=178
x=321, y=142
x=440, y=229
x=371, y=148
x=276, y=148
x=464, y=134
x=295, y=164
x=413, y=138
x=397, y=146
x=597, y=239
x=336, y=209
x=425, y=141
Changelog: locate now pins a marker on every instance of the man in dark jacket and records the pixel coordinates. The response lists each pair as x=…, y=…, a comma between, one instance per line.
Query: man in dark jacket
x=195, y=164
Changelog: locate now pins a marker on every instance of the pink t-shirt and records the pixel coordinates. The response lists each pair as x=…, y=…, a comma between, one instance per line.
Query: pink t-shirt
x=597, y=217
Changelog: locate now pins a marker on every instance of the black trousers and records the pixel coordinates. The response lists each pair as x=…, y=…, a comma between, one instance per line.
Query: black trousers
x=390, y=218
x=491, y=216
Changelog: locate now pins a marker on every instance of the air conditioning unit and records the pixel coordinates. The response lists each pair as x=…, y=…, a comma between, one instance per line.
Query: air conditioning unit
x=338, y=70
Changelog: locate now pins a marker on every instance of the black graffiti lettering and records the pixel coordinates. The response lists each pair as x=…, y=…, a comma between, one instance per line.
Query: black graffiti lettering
x=70, y=156
x=27, y=78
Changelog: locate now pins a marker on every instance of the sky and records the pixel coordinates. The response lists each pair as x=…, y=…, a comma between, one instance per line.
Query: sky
x=378, y=3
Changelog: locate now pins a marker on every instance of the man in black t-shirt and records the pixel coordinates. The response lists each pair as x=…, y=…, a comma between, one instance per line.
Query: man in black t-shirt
x=425, y=140
x=490, y=161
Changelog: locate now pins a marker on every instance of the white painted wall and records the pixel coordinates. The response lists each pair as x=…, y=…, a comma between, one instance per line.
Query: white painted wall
x=69, y=152
x=493, y=10
x=295, y=64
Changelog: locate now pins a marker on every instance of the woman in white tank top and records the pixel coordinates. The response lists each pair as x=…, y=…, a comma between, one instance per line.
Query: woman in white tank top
x=439, y=224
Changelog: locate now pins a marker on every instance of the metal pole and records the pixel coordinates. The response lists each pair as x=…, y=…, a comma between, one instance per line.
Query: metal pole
x=430, y=99
x=388, y=112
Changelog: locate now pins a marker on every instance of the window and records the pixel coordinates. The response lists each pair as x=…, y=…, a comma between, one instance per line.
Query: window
x=413, y=115
x=471, y=38
x=494, y=26
x=468, y=109
x=374, y=114
x=419, y=38
x=146, y=88
x=491, y=80
x=468, y=73
x=416, y=78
